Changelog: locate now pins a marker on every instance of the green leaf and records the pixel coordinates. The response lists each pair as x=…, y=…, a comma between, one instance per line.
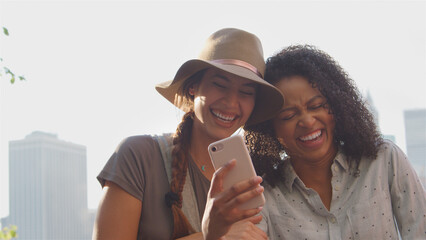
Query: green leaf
x=5, y=31
x=12, y=79
x=8, y=233
x=7, y=70
x=22, y=78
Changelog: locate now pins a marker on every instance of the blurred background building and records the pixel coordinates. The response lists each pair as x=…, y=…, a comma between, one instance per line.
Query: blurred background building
x=370, y=104
x=415, y=135
x=48, y=188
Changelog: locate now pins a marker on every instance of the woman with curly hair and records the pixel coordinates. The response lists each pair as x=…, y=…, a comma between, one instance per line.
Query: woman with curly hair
x=155, y=187
x=329, y=173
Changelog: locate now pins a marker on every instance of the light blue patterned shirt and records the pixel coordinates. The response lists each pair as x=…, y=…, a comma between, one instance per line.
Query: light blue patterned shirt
x=372, y=203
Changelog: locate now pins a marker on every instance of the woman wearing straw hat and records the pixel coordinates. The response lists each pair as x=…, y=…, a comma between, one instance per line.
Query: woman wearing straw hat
x=155, y=187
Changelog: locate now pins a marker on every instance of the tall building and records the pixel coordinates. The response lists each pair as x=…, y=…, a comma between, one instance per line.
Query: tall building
x=48, y=188
x=370, y=105
x=389, y=137
x=372, y=108
x=415, y=134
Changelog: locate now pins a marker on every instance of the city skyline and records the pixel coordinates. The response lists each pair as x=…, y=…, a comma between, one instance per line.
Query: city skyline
x=91, y=66
x=48, y=188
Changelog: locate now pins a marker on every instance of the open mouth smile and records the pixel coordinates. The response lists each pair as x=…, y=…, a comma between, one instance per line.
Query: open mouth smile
x=312, y=136
x=223, y=117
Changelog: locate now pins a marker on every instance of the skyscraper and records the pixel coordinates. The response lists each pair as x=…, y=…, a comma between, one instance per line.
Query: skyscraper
x=370, y=105
x=372, y=108
x=48, y=188
x=415, y=134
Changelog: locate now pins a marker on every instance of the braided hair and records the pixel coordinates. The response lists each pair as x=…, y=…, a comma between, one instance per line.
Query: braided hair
x=181, y=144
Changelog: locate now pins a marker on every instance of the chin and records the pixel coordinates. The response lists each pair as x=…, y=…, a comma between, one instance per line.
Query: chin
x=222, y=133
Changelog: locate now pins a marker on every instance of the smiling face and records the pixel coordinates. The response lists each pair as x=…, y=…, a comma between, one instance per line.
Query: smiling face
x=223, y=103
x=304, y=126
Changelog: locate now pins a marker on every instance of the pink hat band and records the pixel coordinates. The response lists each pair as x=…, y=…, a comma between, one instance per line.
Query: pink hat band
x=238, y=63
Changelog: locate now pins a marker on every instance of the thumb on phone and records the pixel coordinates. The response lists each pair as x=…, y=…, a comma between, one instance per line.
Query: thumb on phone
x=217, y=180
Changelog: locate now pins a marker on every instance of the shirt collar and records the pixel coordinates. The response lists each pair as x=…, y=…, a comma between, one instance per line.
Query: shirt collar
x=289, y=175
x=342, y=160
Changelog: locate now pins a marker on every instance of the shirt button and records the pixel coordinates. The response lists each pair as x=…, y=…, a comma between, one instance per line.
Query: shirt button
x=336, y=168
x=336, y=188
x=333, y=220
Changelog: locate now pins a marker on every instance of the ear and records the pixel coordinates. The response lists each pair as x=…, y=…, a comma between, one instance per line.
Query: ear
x=281, y=140
x=191, y=91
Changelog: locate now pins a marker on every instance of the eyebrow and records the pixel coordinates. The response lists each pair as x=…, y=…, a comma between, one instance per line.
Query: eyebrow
x=314, y=98
x=310, y=101
x=221, y=76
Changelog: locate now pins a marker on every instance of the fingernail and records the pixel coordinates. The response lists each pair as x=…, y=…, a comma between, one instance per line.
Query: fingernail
x=259, y=189
x=257, y=179
x=230, y=162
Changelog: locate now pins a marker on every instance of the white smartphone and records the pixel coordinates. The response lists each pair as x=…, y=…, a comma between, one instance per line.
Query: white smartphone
x=223, y=151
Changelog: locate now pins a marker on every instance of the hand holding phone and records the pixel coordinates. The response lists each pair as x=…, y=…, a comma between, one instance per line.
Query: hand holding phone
x=223, y=151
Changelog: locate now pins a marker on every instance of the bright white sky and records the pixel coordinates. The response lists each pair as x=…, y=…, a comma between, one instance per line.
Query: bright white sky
x=91, y=66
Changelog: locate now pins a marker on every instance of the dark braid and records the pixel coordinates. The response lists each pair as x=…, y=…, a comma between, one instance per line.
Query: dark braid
x=181, y=144
x=181, y=140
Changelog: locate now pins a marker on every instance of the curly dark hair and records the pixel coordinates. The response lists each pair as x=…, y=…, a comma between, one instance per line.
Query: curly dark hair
x=355, y=131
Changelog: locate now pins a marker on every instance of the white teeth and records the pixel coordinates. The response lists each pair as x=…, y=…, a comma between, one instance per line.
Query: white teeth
x=223, y=117
x=311, y=137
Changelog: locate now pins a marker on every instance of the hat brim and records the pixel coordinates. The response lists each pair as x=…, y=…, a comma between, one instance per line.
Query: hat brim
x=269, y=99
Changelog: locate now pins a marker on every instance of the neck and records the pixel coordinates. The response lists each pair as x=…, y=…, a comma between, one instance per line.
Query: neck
x=199, y=153
x=319, y=169
x=316, y=172
x=316, y=175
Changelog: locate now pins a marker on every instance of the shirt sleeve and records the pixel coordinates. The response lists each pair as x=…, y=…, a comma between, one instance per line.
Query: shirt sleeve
x=269, y=197
x=407, y=193
x=128, y=164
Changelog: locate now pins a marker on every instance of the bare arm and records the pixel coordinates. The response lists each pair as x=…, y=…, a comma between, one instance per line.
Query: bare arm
x=118, y=214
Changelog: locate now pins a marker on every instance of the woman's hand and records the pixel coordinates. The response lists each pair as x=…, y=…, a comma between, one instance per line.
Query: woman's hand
x=222, y=210
x=246, y=229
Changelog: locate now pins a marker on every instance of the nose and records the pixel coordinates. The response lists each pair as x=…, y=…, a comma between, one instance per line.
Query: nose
x=307, y=120
x=232, y=98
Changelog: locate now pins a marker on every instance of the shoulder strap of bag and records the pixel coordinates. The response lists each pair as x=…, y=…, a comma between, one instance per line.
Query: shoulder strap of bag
x=189, y=202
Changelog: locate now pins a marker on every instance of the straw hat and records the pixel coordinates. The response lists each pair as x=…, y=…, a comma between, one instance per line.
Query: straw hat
x=237, y=52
